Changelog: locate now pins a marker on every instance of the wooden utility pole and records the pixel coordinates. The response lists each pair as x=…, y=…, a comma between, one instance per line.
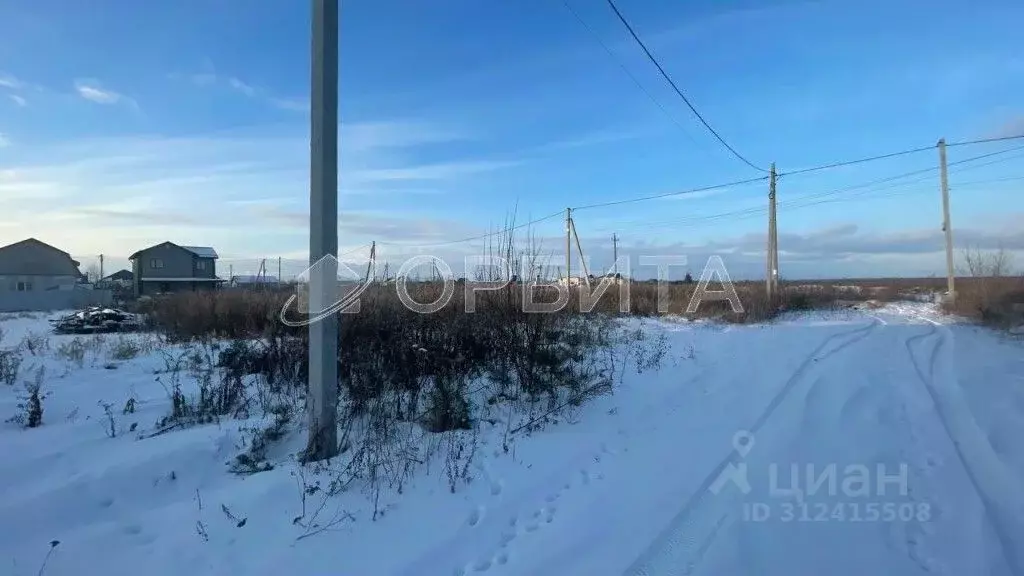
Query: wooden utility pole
x=771, y=277
x=322, y=397
x=279, y=279
x=568, y=246
x=615, y=253
x=946, y=226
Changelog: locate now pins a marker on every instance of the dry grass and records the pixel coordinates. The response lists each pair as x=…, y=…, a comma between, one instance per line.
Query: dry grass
x=993, y=301
x=240, y=314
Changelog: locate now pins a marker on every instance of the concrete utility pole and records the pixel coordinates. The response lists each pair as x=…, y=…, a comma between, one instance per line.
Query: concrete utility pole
x=775, y=230
x=568, y=246
x=279, y=279
x=946, y=226
x=101, y=268
x=322, y=397
x=771, y=277
x=615, y=253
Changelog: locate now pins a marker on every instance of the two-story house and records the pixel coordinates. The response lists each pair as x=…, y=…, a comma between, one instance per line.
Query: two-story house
x=34, y=266
x=168, y=267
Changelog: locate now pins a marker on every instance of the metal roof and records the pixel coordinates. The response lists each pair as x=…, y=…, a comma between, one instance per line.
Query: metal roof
x=202, y=251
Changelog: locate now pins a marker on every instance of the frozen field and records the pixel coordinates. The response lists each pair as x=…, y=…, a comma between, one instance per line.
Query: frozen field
x=905, y=432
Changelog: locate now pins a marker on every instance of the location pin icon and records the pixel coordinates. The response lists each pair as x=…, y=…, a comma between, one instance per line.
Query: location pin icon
x=742, y=442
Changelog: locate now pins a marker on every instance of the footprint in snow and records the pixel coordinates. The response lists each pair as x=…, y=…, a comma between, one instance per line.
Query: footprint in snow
x=476, y=516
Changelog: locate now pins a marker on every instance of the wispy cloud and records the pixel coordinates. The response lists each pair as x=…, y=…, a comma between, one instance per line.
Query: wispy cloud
x=93, y=91
x=10, y=82
x=211, y=78
x=4, y=140
x=242, y=87
x=1012, y=127
x=443, y=171
x=597, y=138
x=13, y=85
x=220, y=188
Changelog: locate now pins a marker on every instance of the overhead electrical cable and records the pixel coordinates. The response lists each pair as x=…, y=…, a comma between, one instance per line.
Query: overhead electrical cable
x=679, y=91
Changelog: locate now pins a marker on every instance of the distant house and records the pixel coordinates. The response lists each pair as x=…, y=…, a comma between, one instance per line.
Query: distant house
x=123, y=278
x=168, y=267
x=34, y=266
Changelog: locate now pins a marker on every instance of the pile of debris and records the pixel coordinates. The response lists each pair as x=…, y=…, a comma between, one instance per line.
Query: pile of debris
x=96, y=320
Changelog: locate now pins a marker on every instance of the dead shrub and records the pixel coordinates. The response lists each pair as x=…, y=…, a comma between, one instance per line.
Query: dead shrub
x=125, y=348
x=10, y=363
x=30, y=403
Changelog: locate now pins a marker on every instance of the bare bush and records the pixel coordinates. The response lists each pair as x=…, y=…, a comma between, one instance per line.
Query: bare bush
x=10, y=363
x=978, y=263
x=991, y=293
x=72, y=352
x=35, y=344
x=216, y=393
x=30, y=405
x=125, y=348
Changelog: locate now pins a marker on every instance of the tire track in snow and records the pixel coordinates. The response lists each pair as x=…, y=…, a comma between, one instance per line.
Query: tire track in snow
x=994, y=484
x=850, y=414
x=677, y=550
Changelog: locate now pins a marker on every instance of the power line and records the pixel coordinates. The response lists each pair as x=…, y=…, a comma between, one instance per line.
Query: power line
x=748, y=211
x=985, y=140
x=991, y=181
x=842, y=163
x=678, y=91
x=668, y=194
x=857, y=161
x=491, y=234
x=826, y=197
x=636, y=81
x=922, y=171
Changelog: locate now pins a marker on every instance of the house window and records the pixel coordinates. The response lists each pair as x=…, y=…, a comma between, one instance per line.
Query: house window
x=24, y=286
x=156, y=263
x=201, y=265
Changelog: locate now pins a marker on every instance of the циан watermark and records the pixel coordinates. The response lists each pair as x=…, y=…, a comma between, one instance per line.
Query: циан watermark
x=830, y=492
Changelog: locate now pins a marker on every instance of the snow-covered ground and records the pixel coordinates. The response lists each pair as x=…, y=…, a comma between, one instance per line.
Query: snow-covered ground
x=909, y=426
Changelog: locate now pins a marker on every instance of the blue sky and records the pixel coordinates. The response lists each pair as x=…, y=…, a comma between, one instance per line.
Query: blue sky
x=124, y=124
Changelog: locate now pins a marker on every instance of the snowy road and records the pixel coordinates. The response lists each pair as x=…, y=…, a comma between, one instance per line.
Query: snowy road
x=846, y=444
x=813, y=448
